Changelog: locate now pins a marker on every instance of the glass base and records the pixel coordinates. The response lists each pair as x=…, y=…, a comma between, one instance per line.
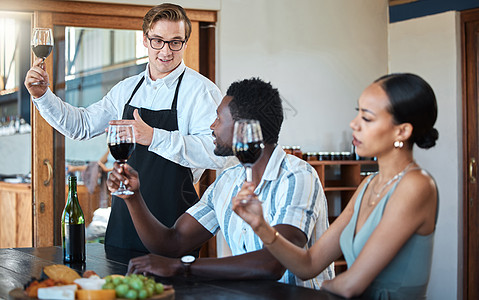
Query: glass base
x=122, y=192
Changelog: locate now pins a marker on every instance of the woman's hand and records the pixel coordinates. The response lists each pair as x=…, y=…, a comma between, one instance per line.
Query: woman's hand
x=248, y=207
x=126, y=174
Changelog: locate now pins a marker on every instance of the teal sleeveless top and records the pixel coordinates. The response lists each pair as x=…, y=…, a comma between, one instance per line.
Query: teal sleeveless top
x=407, y=275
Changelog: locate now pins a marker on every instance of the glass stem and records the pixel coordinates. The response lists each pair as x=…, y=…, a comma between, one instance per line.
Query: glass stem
x=249, y=174
x=42, y=66
x=122, y=186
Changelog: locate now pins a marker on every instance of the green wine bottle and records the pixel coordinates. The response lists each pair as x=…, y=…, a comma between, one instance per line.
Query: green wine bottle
x=73, y=226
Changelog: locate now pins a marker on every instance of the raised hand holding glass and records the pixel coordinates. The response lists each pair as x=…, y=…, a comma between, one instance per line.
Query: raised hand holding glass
x=42, y=46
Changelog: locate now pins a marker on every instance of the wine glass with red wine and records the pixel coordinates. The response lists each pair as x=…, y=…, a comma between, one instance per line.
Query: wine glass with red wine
x=121, y=141
x=42, y=46
x=248, y=144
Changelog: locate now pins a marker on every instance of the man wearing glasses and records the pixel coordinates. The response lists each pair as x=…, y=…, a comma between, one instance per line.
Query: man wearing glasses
x=170, y=107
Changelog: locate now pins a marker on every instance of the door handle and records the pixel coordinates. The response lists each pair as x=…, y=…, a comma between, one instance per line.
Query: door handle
x=50, y=172
x=472, y=167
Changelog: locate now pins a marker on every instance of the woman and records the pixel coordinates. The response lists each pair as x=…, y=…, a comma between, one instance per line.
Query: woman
x=386, y=231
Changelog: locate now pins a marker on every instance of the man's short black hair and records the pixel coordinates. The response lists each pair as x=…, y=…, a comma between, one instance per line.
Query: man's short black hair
x=255, y=99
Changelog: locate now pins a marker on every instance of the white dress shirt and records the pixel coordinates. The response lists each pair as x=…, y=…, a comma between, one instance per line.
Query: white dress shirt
x=190, y=146
x=290, y=192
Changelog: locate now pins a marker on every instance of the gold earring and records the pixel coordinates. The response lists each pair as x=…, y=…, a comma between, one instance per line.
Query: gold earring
x=398, y=144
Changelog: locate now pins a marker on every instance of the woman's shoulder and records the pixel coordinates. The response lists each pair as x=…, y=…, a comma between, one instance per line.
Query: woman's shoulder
x=365, y=181
x=415, y=200
x=418, y=181
x=416, y=193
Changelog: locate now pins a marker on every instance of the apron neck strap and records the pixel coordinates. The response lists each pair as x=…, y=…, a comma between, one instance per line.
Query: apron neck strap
x=136, y=89
x=175, y=99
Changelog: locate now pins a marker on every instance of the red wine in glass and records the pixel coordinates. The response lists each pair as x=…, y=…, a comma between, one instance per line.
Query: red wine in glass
x=42, y=46
x=121, y=151
x=121, y=141
x=248, y=153
x=248, y=144
x=42, y=51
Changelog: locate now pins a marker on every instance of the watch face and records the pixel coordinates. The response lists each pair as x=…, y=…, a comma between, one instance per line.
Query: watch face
x=188, y=259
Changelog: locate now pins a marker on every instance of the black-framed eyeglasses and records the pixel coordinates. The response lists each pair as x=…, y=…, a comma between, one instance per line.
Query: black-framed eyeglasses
x=158, y=44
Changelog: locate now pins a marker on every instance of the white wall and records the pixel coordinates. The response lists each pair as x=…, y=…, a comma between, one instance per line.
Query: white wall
x=430, y=47
x=319, y=54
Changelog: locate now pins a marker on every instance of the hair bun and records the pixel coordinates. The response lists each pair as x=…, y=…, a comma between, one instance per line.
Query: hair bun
x=428, y=139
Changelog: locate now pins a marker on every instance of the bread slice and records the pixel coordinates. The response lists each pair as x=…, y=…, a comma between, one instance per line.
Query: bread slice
x=61, y=273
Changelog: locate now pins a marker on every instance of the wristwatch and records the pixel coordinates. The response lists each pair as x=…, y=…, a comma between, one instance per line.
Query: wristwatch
x=187, y=260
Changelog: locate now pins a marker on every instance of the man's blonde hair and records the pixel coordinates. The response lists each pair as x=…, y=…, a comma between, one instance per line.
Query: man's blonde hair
x=166, y=11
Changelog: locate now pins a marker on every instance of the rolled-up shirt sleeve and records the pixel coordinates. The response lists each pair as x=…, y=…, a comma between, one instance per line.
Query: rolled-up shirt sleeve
x=204, y=211
x=77, y=123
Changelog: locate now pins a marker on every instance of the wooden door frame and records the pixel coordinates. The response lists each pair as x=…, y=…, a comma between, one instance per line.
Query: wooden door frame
x=469, y=25
x=48, y=146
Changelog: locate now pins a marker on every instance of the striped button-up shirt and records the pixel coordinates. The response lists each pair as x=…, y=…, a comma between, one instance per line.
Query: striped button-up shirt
x=290, y=192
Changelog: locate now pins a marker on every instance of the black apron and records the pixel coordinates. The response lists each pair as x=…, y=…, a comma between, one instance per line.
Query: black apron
x=166, y=186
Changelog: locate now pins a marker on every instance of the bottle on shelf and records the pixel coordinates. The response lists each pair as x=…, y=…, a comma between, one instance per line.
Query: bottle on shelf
x=345, y=155
x=297, y=151
x=335, y=155
x=288, y=149
x=324, y=156
x=73, y=226
x=310, y=156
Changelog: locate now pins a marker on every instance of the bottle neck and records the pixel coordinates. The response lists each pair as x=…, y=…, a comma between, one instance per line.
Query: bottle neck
x=72, y=189
x=73, y=212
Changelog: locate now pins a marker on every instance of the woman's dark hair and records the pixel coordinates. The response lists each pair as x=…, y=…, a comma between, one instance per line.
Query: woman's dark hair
x=412, y=100
x=255, y=99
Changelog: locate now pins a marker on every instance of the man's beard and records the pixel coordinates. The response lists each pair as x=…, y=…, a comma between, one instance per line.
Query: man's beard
x=222, y=150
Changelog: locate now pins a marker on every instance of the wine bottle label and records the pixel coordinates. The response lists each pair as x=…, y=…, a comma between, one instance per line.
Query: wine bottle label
x=74, y=243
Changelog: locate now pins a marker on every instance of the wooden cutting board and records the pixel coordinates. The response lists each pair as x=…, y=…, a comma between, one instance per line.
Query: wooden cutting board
x=19, y=294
